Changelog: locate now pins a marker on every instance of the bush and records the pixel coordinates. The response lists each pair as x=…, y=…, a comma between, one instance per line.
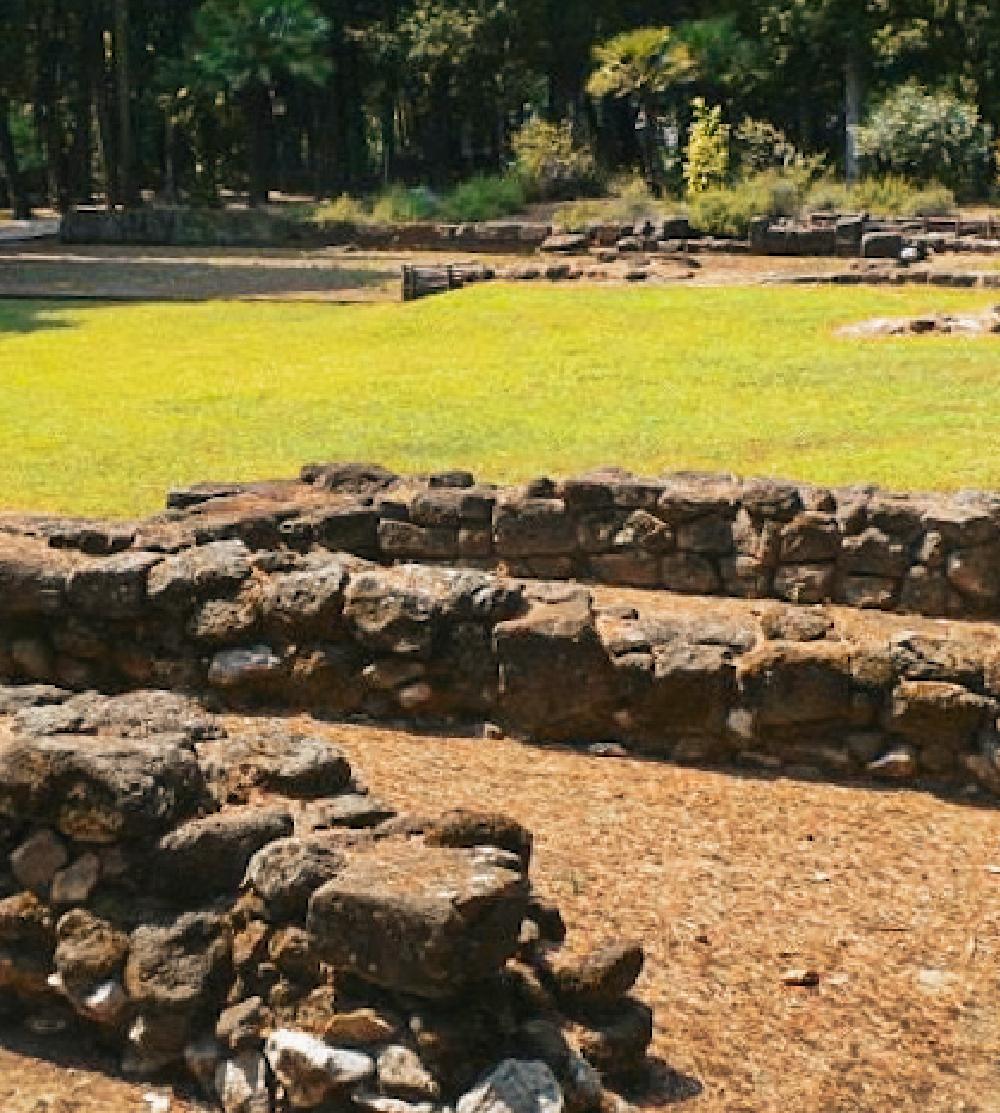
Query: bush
x=728, y=210
x=760, y=146
x=397, y=204
x=485, y=197
x=926, y=136
x=888, y=196
x=707, y=163
x=629, y=200
x=551, y=164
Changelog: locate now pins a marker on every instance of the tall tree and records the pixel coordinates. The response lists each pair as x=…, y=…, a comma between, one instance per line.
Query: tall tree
x=245, y=47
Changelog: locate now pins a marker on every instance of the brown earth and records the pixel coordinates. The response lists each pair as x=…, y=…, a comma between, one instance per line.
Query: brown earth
x=45, y=269
x=892, y=897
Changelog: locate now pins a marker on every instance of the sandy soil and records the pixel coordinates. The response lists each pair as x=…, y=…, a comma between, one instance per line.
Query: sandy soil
x=893, y=897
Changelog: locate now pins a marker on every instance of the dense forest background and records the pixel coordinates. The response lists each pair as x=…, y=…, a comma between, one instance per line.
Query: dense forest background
x=190, y=99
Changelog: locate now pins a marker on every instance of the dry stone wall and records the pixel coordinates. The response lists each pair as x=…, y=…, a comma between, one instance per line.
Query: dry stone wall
x=226, y=901
x=775, y=686
x=923, y=554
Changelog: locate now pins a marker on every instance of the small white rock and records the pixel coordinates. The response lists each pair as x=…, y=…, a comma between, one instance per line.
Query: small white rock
x=241, y=1084
x=105, y=1004
x=310, y=1070
x=516, y=1086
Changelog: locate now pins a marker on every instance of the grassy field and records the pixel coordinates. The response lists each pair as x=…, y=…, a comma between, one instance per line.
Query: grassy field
x=103, y=407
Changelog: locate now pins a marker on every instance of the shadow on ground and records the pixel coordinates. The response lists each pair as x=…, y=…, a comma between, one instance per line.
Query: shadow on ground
x=29, y=316
x=31, y=275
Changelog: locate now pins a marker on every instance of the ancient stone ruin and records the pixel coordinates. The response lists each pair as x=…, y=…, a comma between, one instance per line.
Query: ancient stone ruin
x=221, y=895
x=231, y=904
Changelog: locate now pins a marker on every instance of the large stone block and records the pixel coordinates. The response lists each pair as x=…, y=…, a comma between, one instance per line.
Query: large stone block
x=97, y=790
x=418, y=919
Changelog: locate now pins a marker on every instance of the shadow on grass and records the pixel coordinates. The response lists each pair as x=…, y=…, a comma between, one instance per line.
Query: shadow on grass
x=29, y=316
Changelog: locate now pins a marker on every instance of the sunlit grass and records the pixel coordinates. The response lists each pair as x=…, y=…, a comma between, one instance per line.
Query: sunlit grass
x=104, y=407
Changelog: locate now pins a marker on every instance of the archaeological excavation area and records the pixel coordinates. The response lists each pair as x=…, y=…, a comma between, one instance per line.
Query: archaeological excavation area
x=403, y=793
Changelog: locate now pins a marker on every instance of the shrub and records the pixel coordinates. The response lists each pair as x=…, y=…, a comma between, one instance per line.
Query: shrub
x=760, y=146
x=728, y=210
x=484, y=197
x=397, y=204
x=926, y=136
x=550, y=163
x=345, y=208
x=889, y=195
x=707, y=163
x=629, y=200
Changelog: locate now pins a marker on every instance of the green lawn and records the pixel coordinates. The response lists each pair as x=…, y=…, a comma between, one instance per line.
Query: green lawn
x=102, y=407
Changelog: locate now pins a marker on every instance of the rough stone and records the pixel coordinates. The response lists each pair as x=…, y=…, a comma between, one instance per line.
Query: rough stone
x=311, y=1070
x=418, y=919
x=516, y=1086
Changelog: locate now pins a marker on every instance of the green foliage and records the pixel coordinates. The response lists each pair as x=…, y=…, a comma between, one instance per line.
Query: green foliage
x=728, y=210
x=484, y=197
x=925, y=136
x=643, y=63
x=760, y=146
x=883, y=196
x=397, y=204
x=552, y=165
x=243, y=42
x=706, y=165
x=628, y=201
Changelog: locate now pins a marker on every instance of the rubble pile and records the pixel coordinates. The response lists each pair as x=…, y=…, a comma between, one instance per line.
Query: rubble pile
x=235, y=905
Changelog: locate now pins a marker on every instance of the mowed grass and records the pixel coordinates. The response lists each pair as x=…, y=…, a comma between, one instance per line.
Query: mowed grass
x=103, y=407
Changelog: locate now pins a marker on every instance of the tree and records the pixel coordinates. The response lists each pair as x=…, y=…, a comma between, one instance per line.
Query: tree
x=640, y=67
x=927, y=136
x=246, y=47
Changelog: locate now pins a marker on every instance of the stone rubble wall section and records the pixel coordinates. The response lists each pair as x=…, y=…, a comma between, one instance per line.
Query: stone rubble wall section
x=779, y=687
x=933, y=555
x=235, y=906
x=825, y=234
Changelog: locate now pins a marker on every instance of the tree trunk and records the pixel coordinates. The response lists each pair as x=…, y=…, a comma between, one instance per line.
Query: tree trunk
x=47, y=110
x=853, y=96
x=10, y=169
x=257, y=113
x=126, y=185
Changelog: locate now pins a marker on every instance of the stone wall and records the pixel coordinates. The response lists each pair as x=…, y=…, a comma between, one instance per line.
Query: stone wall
x=227, y=902
x=775, y=686
x=926, y=554
x=822, y=234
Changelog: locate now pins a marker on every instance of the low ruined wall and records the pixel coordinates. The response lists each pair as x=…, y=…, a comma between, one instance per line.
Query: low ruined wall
x=775, y=686
x=180, y=227
x=228, y=904
x=932, y=555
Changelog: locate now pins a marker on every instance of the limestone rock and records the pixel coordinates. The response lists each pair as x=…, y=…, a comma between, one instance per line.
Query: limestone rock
x=76, y=883
x=286, y=873
x=360, y=1027
x=311, y=1070
x=241, y=1084
x=193, y=573
x=98, y=790
x=402, y=1075
x=516, y=1086
x=206, y=855
x=600, y=978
